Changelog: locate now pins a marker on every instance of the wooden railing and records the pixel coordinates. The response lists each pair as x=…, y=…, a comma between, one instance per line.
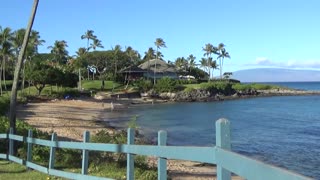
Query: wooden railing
x=226, y=160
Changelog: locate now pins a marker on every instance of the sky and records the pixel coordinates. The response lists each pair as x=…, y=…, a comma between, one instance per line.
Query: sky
x=257, y=34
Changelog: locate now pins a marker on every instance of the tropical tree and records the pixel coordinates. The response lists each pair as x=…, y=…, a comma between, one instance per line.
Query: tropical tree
x=59, y=51
x=116, y=50
x=134, y=58
x=181, y=64
x=209, y=49
x=222, y=53
x=5, y=52
x=89, y=36
x=191, y=62
x=208, y=64
x=13, y=99
x=150, y=54
x=96, y=44
x=159, y=44
x=32, y=47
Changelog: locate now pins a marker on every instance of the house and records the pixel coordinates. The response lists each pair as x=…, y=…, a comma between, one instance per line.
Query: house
x=158, y=68
x=153, y=68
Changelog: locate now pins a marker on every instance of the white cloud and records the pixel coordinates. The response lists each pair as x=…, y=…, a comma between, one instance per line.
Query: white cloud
x=263, y=61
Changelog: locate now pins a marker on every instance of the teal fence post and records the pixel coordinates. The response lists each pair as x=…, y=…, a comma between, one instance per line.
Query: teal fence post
x=85, y=153
x=130, y=157
x=223, y=141
x=29, y=150
x=52, y=151
x=162, y=162
x=11, y=143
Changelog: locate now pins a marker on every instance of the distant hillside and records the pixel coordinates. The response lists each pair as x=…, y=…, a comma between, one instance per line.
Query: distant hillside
x=276, y=75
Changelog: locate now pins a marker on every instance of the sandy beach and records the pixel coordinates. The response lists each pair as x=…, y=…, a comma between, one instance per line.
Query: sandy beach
x=70, y=118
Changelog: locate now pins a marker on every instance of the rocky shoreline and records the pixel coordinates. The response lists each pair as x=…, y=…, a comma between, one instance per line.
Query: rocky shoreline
x=206, y=96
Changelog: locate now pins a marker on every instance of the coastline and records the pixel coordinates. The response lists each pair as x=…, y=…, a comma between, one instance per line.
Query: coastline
x=69, y=118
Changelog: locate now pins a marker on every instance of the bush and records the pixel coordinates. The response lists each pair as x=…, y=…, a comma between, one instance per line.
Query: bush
x=39, y=153
x=165, y=84
x=4, y=104
x=254, y=86
x=143, y=85
x=218, y=87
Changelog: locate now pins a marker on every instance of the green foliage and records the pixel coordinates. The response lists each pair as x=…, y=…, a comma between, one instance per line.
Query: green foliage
x=189, y=89
x=133, y=122
x=10, y=170
x=143, y=85
x=41, y=74
x=4, y=104
x=198, y=73
x=40, y=153
x=254, y=86
x=218, y=87
x=96, y=85
x=165, y=84
x=186, y=81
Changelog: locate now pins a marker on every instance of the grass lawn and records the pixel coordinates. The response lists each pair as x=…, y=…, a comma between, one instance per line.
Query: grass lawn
x=10, y=170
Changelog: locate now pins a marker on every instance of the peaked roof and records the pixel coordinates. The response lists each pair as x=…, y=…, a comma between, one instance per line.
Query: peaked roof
x=158, y=65
x=132, y=69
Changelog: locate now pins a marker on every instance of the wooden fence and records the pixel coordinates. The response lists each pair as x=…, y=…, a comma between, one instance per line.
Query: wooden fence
x=226, y=160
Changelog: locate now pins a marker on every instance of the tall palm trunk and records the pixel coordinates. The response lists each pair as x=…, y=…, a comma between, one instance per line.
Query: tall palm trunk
x=4, y=71
x=1, y=78
x=13, y=100
x=155, y=68
x=220, y=69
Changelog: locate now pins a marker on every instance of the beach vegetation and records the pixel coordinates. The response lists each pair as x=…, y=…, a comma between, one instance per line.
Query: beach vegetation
x=165, y=84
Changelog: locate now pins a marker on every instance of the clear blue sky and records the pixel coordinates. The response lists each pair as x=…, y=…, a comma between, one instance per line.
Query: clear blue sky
x=266, y=33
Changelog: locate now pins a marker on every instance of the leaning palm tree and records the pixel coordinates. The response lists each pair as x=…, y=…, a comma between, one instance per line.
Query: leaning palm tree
x=89, y=36
x=13, y=99
x=222, y=53
x=159, y=44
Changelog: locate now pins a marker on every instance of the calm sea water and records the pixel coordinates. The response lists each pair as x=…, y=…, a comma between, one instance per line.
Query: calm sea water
x=298, y=85
x=284, y=131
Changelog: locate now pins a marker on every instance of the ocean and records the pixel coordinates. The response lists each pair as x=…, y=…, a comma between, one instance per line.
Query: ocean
x=283, y=131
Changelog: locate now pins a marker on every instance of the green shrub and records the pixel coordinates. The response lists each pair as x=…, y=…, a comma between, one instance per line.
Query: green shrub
x=143, y=85
x=189, y=89
x=4, y=104
x=241, y=87
x=165, y=84
x=218, y=87
x=254, y=86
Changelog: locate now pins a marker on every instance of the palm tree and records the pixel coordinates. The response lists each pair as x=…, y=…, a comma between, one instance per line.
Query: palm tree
x=116, y=51
x=13, y=99
x=222, y=53
x=96, y=44
x=150, y=54
x=159, y=44
x=59, y=51
x=88, y=35
x=6, y=50
x=204, y=65
x=133, y=54
x=181, y=63
x=212, y=64
x=32, y=47
x=81, y=51
x=191, y=62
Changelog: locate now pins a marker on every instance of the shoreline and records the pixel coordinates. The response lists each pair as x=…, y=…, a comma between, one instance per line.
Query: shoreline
x=70, y=118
